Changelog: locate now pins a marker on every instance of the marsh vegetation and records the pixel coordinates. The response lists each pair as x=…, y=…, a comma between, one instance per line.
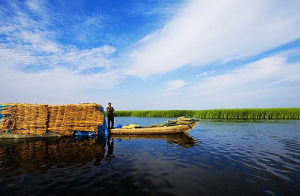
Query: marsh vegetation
x=259, y=113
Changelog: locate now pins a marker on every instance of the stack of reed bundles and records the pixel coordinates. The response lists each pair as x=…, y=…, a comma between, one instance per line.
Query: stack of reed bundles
x=26, y=119
x=64, y=119
x=36, y=119
x=185, y=121
x=180, y=121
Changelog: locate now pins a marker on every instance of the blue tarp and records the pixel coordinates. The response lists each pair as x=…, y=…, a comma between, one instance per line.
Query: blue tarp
x=102, y=129
x=2, y=106
x=119, y=126
x=85, y=133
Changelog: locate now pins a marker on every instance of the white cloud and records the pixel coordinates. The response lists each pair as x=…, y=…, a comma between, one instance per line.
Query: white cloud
x=175, y=84
x=30, y=39
x=216, y=31
x=258, y=74
x=269, y=82
x=58, y=85
x=205, y=73
x=203, y=32
x=33, y=4
x=156, y=7
x=37, y=68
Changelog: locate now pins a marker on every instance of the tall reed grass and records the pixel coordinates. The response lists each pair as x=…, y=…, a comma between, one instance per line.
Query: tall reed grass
x=263, y=113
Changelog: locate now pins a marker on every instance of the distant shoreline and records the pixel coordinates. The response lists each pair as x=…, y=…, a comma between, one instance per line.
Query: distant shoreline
x=243, y=114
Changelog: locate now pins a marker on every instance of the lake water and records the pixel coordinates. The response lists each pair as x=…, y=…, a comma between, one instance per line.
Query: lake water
x=215, y=158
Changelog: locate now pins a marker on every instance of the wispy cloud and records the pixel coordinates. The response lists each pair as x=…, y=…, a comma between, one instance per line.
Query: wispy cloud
x=37, y=65
x=260, y=74
x=33, y=38
x=175, y=84
x=47, y=57
x=58, y=85
x=205, y=32
x=267, y=82
x=156, y=7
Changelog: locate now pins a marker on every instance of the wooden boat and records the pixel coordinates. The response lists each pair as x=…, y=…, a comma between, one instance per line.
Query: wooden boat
x=154, y=130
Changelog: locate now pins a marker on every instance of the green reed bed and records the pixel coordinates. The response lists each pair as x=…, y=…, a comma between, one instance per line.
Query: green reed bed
x=263, y=113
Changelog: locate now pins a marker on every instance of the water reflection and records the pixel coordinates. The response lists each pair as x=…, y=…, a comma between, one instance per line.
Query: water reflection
x=182, y=139
x=227, y=159
x=30, y=155
x=24, y=156
x=110, y=149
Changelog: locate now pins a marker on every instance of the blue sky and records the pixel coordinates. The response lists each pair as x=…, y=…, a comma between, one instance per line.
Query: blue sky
x=195, y=54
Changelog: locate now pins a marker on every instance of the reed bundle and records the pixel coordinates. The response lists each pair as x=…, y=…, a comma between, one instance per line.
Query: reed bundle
x=180, y=121
x=27, y=119
x=36, y=119
x=64, y=119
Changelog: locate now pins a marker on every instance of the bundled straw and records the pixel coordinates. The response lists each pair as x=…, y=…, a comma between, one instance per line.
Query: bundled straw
x=185, y=121
x=64, y=119
x=35, y=119
x=27, y=119
x=180, y=121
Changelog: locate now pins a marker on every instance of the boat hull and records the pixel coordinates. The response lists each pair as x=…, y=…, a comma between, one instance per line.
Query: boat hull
x=154, y=130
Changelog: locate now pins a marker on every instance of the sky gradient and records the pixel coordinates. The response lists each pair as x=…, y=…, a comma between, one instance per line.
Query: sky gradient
x=195, y=54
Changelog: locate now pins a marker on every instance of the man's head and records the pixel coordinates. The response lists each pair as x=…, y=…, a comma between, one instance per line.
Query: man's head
x=109, y=104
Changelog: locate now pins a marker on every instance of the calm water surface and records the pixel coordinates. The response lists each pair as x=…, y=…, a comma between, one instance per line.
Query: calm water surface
x=215, y=158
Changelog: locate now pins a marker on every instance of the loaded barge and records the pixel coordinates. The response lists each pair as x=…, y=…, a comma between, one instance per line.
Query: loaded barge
x=42, y=120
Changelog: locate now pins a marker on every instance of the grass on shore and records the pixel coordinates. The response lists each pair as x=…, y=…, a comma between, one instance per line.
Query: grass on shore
x=261, y=113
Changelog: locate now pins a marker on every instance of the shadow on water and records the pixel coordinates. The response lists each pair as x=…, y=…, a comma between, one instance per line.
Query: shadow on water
x=23, y=156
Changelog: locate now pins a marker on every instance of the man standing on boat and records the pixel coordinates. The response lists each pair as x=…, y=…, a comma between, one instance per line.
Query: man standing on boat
x=110, y=116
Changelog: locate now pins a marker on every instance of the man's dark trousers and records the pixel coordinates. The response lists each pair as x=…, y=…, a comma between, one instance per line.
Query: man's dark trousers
x=110, y=121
